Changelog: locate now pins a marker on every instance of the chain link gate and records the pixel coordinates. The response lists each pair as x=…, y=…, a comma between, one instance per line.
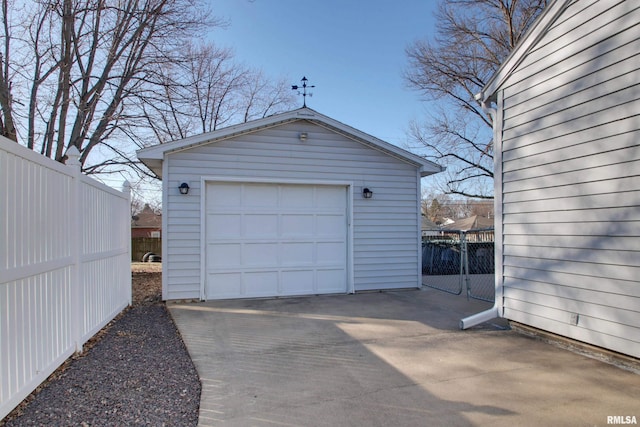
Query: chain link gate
x=453, y=260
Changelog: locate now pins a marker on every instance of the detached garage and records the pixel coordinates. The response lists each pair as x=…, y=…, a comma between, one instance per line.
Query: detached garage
x=292, y=204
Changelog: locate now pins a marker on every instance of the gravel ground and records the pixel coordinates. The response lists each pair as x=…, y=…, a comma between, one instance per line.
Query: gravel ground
x=136, y=371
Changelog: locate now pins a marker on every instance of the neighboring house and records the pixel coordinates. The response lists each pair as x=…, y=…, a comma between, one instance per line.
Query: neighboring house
x=429, y=228
x=474, y=222
x=292, y=204
x=447, y=221
x=146, y=223
x=567, y=162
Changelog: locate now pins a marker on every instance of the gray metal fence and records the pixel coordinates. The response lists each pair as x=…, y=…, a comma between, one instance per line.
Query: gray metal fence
x=453, y=261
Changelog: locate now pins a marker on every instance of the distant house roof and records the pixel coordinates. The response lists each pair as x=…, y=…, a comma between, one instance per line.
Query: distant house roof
x=474, y=222
x=427, y=224
x=146, y=218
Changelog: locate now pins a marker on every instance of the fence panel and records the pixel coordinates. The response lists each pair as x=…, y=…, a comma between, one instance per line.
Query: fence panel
x=142, y=245
x=479, y=268
x=48, y=307
x=454, y=260
x=442, y=261
x=105, y=250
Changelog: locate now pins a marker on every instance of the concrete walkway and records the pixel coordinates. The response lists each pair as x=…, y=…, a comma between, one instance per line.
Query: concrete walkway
x=389, y=359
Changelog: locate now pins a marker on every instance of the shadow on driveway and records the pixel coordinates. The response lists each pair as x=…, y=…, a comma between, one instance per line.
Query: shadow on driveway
x=387, y=359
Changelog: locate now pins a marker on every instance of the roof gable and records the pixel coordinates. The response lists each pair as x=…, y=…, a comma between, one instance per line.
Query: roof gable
x=153, y=156
x=146, y=218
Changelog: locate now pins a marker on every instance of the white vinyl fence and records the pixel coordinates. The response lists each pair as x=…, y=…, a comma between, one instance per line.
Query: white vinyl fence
x=65, y=267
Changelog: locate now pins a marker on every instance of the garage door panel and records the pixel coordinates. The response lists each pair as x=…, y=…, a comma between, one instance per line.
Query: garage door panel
x=297, y=254
x=297, y=225
x=330, y=196
x=226, y=195
x=275, y=240
x=331, y=281
x=260, y=283
x=223, y=226
x=260, y=226
x=227, y=285
x=224, y=255
x=296, y=196
x=259, y=254
x=260, y=195
x=298, y=282
x=330, y=225
x=330, y=252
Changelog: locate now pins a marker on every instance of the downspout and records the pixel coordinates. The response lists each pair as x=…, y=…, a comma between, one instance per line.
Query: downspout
x=494, y=311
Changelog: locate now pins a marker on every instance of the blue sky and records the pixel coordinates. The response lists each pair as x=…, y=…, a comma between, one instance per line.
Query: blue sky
x=352, y=51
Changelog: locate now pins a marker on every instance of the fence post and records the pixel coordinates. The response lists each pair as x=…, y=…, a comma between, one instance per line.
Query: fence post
x=77, y=296
x=126, y=189
x=465, y=260
x=461, y=270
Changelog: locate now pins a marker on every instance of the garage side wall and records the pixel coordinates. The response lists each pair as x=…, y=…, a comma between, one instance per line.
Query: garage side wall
x=385, y=228
x=570, y=160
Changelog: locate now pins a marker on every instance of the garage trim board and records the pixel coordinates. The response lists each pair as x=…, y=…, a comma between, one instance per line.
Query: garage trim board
x=275, y=238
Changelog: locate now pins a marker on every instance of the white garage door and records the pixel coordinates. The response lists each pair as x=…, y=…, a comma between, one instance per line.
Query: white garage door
x=275, y=240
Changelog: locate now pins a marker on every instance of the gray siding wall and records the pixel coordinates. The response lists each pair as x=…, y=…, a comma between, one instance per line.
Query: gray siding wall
x=571, y=178
x=385, y=228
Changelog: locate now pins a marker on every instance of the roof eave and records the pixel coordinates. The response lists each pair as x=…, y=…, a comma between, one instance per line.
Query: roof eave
x=153, y=156
x=431, y=171
x=155, y=165
x=426, y=167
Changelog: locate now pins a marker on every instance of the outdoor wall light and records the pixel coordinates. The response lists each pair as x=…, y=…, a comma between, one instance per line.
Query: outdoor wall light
x=303, y=136
x=184, y=188
x=366, y=193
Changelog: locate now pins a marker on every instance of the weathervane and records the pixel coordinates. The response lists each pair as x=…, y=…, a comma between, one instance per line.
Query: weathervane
x=304, y=91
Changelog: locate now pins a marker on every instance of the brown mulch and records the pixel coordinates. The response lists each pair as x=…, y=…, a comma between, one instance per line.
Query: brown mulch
x=146, y=286
x=135, y=371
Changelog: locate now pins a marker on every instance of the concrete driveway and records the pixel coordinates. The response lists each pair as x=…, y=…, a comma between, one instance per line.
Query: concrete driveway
x=389, y=359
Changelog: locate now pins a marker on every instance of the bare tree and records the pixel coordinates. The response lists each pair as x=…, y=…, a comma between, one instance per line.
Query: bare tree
x=193, y=93
x=473, y=37
x=7, y=126
x=438, y=207
x=111, y=76
x=263, y=97
x=74, y=68
x=209, y=91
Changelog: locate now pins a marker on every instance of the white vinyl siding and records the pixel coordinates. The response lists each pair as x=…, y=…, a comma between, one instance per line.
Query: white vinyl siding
x=570, y=174
x=385, y=228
